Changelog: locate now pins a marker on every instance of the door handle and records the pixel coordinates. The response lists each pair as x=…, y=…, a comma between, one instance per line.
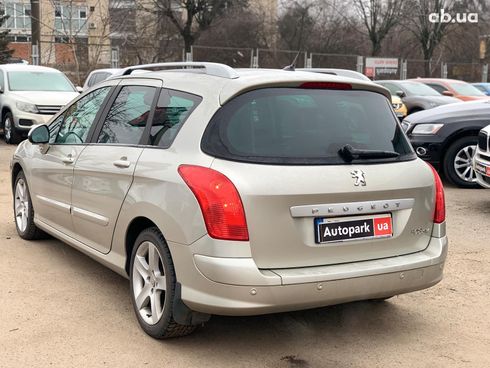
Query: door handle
x=123, y=163
x=68, y=159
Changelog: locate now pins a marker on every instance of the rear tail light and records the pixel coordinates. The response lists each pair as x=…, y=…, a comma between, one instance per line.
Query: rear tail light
x=326, y=85
x=220, y=203
x=440, y=207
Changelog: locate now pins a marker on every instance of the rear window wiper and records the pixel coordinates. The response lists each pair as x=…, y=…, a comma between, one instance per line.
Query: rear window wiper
x=349, y=153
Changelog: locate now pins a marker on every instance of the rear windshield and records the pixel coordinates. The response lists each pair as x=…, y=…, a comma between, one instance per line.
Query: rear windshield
x=304, y=126
x=39, y=81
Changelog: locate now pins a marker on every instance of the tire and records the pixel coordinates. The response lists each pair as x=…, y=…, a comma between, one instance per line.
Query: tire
x=24, y=212
x=152, y=284
x=10, y=133
x=381, y=300
x=457, y=163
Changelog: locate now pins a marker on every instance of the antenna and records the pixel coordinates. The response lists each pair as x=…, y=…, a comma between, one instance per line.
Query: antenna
x=291, y=67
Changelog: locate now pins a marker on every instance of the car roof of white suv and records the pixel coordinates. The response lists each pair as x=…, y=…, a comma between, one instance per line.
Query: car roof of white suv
x=226, y=82
x=29, y=68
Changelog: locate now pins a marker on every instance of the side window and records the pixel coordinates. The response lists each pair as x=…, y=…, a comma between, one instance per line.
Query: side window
x=80, y=116
x=392, y=88
x=437, y=87
x=1, y=81
x=91, y=80
x=172, y=110
x=97, y=78
x=128, y=115
x=54, y=128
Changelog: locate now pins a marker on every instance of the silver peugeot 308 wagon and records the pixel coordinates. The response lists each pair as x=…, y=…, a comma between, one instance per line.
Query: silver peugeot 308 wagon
x=234, y=192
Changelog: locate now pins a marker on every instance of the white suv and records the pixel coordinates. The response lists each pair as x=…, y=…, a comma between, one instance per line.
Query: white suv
x=481, y=160
x=30, y=95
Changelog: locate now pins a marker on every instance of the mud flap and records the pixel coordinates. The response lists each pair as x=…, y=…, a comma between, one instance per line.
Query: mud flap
x=183, y=314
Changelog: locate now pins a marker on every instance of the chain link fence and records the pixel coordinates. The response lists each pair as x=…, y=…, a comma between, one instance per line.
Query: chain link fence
x=79, y=58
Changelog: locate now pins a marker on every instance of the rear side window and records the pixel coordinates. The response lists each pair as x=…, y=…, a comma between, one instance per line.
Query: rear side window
x=172, y=110
x=304, y=126
x=97, y=78
x=437, y=87
x=126, y=120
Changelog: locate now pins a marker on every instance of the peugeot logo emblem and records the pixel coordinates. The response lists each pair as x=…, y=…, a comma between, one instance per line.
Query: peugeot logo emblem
x=359, y=176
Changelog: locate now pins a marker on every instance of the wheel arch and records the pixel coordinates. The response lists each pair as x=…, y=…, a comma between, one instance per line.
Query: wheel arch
x=461, y=133
x=16, y=168
x=415, y=109
x=5, y=110
x=135, y=227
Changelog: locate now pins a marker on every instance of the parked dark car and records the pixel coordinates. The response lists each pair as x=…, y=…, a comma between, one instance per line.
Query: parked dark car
x=447, y=136
x=416, y=96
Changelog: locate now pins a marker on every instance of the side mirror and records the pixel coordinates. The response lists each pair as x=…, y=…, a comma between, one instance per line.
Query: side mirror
x=1, y=89
x=400, y=94
x=39, y=134
x=447, y=93
x=79, y=89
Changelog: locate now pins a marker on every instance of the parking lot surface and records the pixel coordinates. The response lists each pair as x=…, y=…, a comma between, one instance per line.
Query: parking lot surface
x=59, y=308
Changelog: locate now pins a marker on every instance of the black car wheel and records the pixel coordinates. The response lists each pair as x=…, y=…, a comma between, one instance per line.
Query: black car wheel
x=10, y=133
x=457, y=163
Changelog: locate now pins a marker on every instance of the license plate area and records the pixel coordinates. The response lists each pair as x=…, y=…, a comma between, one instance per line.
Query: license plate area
x=482, y=169
x=342, y=229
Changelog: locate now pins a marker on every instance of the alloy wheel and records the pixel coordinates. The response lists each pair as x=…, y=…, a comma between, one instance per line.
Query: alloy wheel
x=21, y=205
x=149, y=282
x=7, y=129
x=463, y=163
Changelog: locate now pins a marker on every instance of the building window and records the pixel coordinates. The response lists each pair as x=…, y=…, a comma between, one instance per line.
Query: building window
x=19, y=15
x=71, y=20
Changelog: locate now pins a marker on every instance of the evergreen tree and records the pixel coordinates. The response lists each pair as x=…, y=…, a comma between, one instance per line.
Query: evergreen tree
x=5, y=52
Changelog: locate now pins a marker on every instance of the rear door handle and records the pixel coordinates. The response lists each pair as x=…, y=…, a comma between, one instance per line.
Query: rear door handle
x=122, y=163
x=68, y=159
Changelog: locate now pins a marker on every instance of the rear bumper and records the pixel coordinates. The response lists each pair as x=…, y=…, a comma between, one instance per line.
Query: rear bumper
x=234, y=286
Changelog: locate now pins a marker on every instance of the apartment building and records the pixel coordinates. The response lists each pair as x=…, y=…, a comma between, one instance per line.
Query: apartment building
x=72, y=32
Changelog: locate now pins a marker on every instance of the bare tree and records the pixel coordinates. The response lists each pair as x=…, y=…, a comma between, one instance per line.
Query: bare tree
x=192, y=17
x=87, y=48
x=379, y=17
x=297, y=25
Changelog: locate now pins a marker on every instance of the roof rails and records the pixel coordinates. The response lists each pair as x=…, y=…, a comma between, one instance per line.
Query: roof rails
x=216, y=69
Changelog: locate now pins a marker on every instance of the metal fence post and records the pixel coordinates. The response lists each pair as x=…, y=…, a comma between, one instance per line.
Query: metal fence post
x=115, y=57
x=308, y=61
x=443, y=70
x=404, y=69
x=255, y=61
x=35, y=55
x=484, y=73
x=189, y=55
x=360, y=64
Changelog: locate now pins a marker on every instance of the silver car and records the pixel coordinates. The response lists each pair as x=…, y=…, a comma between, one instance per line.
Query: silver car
x=235, y=193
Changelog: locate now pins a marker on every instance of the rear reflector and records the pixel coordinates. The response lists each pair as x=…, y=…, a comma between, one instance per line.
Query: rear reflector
x=440, y=202
x=326, y=85
x=220, y=203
